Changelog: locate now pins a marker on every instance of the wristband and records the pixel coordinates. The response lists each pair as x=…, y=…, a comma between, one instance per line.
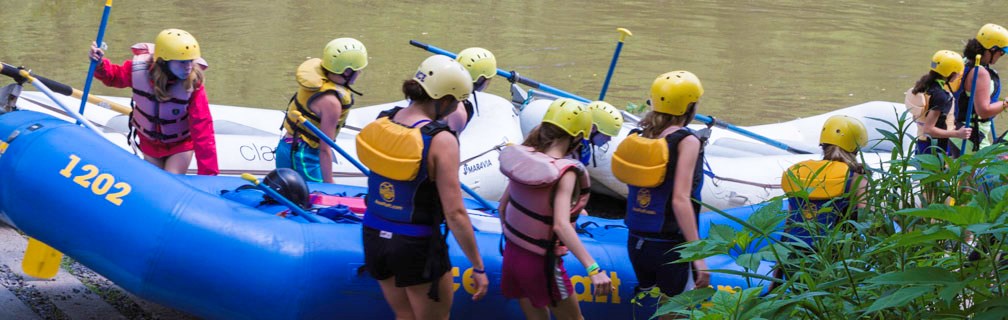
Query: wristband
x=594, y=272
x=593, y=267
x=478, y=271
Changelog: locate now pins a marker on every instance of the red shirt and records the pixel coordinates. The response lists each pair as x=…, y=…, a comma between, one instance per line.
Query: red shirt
x=201, y=133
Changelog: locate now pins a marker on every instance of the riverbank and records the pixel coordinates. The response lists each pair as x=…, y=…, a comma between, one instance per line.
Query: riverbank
x=75, y=293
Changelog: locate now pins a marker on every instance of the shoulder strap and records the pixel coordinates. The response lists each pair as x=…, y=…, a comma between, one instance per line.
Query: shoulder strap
x=389, y=113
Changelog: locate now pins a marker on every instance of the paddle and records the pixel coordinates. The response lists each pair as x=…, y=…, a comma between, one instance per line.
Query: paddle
x=969, y=109
x=49, y=93
x=94, y=64
x=41, y=260
x=279, y=198
x=297, y=117
x=511, y=76
x=15, y=73
x=612, y=65
x=699, y=117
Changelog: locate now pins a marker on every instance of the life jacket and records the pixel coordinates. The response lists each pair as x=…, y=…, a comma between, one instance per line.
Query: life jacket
x=978, y=138
x=164, y=121
x=648, y=166
x=401, y=196
x=533, y=178
x=828, y=185
x=918, y=103
x=313, y=84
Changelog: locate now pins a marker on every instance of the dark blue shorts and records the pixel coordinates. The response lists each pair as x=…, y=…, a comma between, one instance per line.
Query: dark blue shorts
x=651, y=263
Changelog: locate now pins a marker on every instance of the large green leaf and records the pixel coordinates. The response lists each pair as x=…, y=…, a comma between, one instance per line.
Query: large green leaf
x=722, y=233
x=915, y=276
x=684, y=301
x=898, y=299
x=960, y=215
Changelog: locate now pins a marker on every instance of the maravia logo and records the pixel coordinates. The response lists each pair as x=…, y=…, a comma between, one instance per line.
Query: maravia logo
x=467, y=169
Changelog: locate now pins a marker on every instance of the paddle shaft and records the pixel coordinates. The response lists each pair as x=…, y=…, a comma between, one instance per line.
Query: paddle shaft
x=969, y=109
x=612, y=65
x=57, y=87
x=42, y=87
x=325, y=138
x=512, y=76
x=94, y=63
x=698, y=117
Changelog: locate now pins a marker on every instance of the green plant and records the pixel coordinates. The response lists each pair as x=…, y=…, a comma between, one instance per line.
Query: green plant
x=928, y=245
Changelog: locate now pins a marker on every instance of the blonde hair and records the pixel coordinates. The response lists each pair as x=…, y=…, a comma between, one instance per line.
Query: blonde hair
x=160, y=78
x=835, y=153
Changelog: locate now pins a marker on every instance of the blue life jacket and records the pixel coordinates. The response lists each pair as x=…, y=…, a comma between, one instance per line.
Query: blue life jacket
x=963, y=97
x=404, y=204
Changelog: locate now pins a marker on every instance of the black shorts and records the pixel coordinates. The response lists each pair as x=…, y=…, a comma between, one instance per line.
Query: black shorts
x=403, y=257
x=651, y=263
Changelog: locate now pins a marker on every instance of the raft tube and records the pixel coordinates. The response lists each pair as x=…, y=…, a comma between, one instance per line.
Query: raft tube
x=177, y=241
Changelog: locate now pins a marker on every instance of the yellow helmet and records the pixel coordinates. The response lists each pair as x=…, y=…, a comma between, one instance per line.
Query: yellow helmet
x=479, y=62
x=175, y=44
x=845, y=132
x=673, y=92
x=441, y=76
x=344, y=53
x=606, y=118
x=570, y=115
x=945, y=62
x=992, y=35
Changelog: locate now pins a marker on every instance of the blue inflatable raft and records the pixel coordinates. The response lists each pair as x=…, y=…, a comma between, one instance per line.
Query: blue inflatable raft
x=177, y=241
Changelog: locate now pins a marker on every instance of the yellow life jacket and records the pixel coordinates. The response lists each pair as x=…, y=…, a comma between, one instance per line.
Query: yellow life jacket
x=390, y=149
x=640, y=161
x=828, y=184
x=823, y=179
x=312, y=84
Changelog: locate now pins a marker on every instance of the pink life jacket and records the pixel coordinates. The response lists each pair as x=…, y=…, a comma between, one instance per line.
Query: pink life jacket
x=164, y=121
x=528, y=221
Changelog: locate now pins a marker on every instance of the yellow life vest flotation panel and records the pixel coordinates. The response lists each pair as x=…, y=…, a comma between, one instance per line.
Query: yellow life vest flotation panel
x=827, y=185
x=313, y=84
x=640, y=161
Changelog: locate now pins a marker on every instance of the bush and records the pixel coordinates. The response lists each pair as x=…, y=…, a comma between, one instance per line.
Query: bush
x=928, y=245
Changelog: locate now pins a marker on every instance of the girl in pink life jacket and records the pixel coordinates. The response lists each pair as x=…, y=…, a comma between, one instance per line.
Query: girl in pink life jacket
x=548, y=189
x=171, y=115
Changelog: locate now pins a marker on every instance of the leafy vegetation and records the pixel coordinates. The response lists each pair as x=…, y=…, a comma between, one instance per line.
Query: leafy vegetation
x=928, y=245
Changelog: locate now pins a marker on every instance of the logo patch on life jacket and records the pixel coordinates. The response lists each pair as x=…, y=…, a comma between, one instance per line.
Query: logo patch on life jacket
x=387, y=191
x=809, y=211
x=3, y=147
x=175, y=112
x=643, y=198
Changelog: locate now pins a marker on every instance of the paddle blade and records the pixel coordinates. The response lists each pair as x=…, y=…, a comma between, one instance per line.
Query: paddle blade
x=41, y=260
